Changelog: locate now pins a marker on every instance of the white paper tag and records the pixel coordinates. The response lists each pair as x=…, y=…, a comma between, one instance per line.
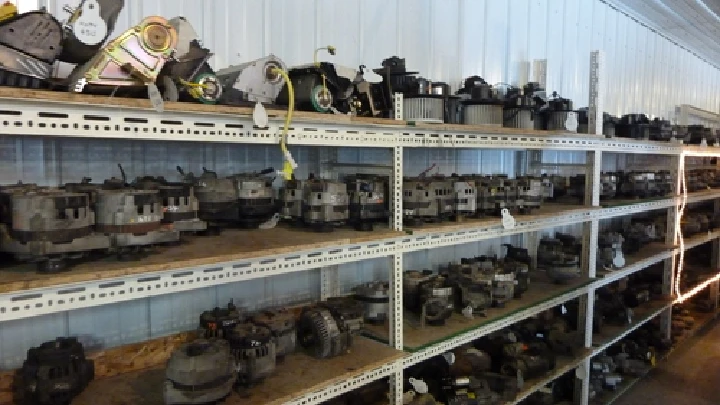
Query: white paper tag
x=260, y=117
x=90, y=28
x=571, y=123
x=563, y=310
x=155, y=97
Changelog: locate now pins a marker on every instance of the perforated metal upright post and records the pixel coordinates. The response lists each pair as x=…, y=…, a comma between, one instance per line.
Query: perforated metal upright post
x=668, y=287
x=715, y=264
x=591, y=229
x=589, y=262
x=396, y=272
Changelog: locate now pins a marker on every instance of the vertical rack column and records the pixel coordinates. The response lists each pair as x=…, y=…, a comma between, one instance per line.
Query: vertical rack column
x=591, y=229
x=671, y=238
x=396, y=276
x=715, y=264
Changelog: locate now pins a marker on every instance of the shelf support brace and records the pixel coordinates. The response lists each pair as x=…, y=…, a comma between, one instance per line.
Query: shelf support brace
x=677, y=162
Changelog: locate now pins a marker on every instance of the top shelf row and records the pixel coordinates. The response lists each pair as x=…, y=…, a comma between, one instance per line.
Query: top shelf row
x=42, y=113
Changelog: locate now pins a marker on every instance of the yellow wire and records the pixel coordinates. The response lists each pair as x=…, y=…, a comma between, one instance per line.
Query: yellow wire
x=317, y=64
x=287, y=166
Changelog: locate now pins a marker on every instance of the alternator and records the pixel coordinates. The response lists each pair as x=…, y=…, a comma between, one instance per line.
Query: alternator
x=281, y=323
x=327, y=329
x=220, y=321
x=254, y=350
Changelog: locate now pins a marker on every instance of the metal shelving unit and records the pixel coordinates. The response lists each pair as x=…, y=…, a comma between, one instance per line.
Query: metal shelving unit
x=72, y=117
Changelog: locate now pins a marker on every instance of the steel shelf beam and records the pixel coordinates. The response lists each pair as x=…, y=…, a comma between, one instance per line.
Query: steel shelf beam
x=37, y=117
x=599, y=349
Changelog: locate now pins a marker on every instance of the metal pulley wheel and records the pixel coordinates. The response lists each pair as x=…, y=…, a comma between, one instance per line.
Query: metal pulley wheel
x=315, y=330
x=321, y=98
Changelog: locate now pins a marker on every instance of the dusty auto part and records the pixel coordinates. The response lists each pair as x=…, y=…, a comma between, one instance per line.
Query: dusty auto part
x=254, y=351
x=179, y=204
x=56, y=372
x=559, y=264
x=610, y=254
x=219, y=322
x=327, y=329
x=609, y=123
x=635, y=126
x=436, y=299
x=325, y=204
x=254, y=81
x=521, y=106
x=482, y=103
x=47, y=226
x=469, y=390
x=465, y=193
x=187, y=76
x=558, y=114
x=427, y=199
x=89, y=25
x=199, y=372
x=375, y=297
x=282, y=326
x=368, y=200
x=424, y=101
x=321, y=87
x=290, y=199
x=133, y=59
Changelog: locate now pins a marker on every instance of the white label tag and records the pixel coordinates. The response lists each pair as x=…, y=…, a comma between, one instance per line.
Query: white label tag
x=563, y=310
x=155, y=97
x=260, y=117
x=90, y=28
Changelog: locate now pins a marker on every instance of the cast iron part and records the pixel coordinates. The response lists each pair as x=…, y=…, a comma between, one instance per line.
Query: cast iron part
x=199, y=372
x=282, y=326
x=375, y=297
x=254, y=350
x=327, y=329
x=56, y=372
x=220, y=322
x=368, y=200
x=312, y=93
x=325, y=204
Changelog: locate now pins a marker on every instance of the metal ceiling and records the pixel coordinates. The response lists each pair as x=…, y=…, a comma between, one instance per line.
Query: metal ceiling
x=692, y=24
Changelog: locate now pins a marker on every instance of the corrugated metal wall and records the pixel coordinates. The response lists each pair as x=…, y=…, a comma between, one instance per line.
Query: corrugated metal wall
x=451, y=39
x=442, y=39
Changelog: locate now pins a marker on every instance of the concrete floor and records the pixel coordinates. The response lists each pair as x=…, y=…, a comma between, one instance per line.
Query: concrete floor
x=690, y=376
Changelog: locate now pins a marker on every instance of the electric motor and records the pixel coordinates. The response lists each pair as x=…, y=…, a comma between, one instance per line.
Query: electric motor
x=559, y=115
x=424, y=108
x=179, y=204
x=368, y=200
x=375, y=297
x=254, y=350
x=282, y=326
x=411, y=288
x=255, y=81
x=325, y=204
x=437, y=300
x=327, y=329
x=483, y=114
x=635, y=126
x=522, y=106
x=56, y=372
x=199, y=372
x=481, y=103
x=559, y=265
x=465, y=193
x=219, y=322
x=528, y=365
x=290, y=199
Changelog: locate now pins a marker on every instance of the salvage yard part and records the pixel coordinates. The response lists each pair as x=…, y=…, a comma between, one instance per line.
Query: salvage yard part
x=282, y=326
x=375, y=296
x=482, y=105
x=188, y=75
x=559, y=115
x=368, y=200
x=131, y=60
x=635, y=126
x=522, y=106
x=56, y=372
x=421, y=104
x=251, y=82
x=219, y=322
x=254, y=350
x=325, y=204
x=199, y=372
x=436, y=300
x=327, y=328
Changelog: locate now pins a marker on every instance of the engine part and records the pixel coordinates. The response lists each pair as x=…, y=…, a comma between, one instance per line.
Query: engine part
x=476, y=290
x=436, y=299
x=30, y=43
x=375, y=297
x=245, y=198
x=613, y=308
x=529, y=194
x=179, y=205
x=640, y=184
x=631, y=367
x=469, y=361
x=424, y=108
x=89, y=25
x=559, y=115
x=325, y=204
x=132, y=218
x=635, y=126
x=608, y=125
x=610, y=253
x=188, y=76
x=468, y=390
x=290, y=199
x=219, y=322
x=698, y=134
x=465, y=196
x=56, y=372
x=368, y=200
x=559, y=265
x=376, y=99
x=135, y=58
x=660, y=130
x=482, y=104
x=427, y=199
x=321, y=87
x=281, y=324
x=254, y=351
x=411, y=288
x=47, y=226
x=327, y=329
x=522, y=106
x=255, y=81
x=199, y=372
x=528, y=365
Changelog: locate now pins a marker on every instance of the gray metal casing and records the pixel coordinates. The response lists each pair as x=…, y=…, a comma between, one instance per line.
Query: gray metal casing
x=325, y=202
x=431, y=198
x=290, y=199
x=249, y=79
x=184, y=371
x=367, y=198
x=465, y=196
